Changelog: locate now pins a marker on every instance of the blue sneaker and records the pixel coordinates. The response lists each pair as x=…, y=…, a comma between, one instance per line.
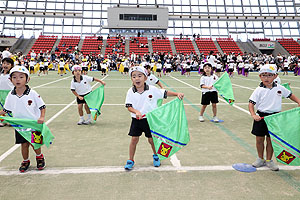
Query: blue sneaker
x=156, y=161
x=129, y=164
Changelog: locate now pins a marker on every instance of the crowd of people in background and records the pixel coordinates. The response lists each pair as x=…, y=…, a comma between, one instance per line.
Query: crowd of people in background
x=163, y=61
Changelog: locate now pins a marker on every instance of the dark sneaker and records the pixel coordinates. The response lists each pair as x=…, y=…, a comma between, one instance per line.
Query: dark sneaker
x=24, y=166
x=156, y=161
x=129, y=165
x=40, y=162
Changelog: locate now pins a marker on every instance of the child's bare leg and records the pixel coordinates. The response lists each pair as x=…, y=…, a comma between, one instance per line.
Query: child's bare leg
x=269, y=149
x=25, y=150
x=214, y=109
x=260, y=146
x=150, y=140
x=202, y=109
x=87, y=109
x=37, y=151
x=80, y=111
x=132, y=146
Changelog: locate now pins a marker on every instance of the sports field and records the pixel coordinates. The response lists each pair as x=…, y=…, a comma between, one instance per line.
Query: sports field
x=87, y=162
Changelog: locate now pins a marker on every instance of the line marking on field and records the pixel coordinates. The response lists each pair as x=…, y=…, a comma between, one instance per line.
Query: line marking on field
x=50, y=82
x=237, y=107
x=13, y=148
x=112, y=169
x=196, y=104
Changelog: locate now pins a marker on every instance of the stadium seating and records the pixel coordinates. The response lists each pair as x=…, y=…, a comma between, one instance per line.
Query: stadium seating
x=110, y=44
x=184, y=46
x=91, y=45
x=261, y=39
x=67, y=42
x=205, y=45
x=43, y=43
x=135, y=45
x=161, y=45
x=228, y=45
x=290, y=45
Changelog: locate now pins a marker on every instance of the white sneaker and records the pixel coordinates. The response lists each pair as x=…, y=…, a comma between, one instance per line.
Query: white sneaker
x=270, y=164
x=201, y=119
x=259, y=163
x=87, y=122
x=80, y=122
x=215, y=119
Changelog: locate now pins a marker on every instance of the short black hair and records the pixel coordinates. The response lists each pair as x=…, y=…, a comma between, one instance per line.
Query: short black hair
x=8, y=60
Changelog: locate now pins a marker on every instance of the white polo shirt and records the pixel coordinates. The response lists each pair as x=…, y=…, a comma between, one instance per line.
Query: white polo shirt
x=168, y=66
x=5, y=83
x=152, y=80
x=83, y=87
x=146, y=101
x=269, y=100
x=27, y=106
x=208, y=81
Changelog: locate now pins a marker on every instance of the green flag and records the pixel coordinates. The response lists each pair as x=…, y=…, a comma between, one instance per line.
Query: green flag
x=224, y=87
x=169, y=128
x=95, y=100
x=36, y=134
x=3, y=95
x=287, y=86
x=284, y=129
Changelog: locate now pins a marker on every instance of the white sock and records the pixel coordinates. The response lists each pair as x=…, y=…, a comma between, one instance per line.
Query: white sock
x=81, y=117
x=89, y=116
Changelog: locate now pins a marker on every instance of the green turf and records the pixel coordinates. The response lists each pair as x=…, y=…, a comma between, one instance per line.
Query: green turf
x=106, y=143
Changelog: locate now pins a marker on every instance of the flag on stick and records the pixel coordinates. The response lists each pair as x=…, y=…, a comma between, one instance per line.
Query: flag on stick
x=284, y=129
x=224, y=87
x=36, y=134
x=169, y=128
x=95, y=100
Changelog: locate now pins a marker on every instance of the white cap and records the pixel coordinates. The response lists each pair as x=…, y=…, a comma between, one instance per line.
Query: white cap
x=269, y=68
x=76, y=67
x=138, y=68
x=21, y=69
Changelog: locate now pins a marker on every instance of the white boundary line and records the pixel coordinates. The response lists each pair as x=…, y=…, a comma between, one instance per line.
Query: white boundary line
x=196, y=104
x=13, y=148
x=50, y=82
x=237, y=107
x=111, y=169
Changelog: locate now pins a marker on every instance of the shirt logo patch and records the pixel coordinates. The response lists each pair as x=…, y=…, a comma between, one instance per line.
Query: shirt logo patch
x=84, y=82
x=29, y=102
x=150, y=97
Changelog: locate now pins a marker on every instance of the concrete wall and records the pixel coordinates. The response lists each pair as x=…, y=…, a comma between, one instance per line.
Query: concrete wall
x=115, y=23
x=7, y=42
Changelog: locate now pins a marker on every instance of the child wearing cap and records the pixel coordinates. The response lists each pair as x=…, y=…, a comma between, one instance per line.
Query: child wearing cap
x=267, y=99
x=209, y=93
x=61, y=67
x=141, y=99
x=23, y=102
x=80, y=86
x=5, y=83
x=32, y=63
